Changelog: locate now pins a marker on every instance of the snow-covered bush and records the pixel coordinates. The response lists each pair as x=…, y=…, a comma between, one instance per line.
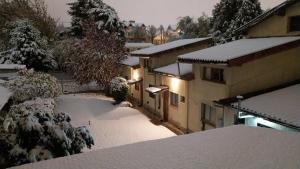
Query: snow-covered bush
x=34, y=132
x=32, y=84
x=119, y=89
x=26, y=46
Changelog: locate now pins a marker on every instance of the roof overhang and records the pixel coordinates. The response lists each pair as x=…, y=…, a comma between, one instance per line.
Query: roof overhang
x=134, y=81
x=156, y=89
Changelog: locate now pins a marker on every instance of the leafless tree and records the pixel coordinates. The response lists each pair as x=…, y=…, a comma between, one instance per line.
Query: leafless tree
x=97, y=57
x=152, y=32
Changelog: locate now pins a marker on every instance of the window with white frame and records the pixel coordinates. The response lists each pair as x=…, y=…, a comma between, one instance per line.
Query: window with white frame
x=174, y=99
x=208, y=114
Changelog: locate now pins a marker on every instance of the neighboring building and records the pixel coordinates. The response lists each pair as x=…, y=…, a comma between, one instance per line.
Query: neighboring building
x=135, y=32
x=278, y=108
x=158, y=56
x=283, y=20
x=235, y=147
x=236, y=68
x=175, y=77
x=269, y=57
x=133, y=73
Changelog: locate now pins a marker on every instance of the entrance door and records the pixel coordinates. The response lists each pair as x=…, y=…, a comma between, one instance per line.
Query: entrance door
x=166, y=105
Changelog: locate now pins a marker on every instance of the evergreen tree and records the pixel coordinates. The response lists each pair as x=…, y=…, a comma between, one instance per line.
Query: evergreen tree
x=26, y=46
x=106, y=18
x=228, y=15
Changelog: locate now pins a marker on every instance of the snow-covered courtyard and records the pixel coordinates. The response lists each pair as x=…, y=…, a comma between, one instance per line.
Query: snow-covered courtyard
x=110, y=125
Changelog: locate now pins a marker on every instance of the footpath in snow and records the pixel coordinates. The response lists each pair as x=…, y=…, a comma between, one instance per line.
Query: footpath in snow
x=110, y=125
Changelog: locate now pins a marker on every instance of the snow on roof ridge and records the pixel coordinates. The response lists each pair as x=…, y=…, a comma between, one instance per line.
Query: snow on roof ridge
x=236, y=49
x=131, y=61
x=229, y=142
x=138, y=45
x=281, y=105
x=172, y=69
x=167, y=46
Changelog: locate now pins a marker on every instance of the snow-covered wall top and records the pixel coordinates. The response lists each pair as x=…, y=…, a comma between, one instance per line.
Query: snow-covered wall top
x=282, y=105
x=167, y=46
x=236, y=49
x=173, y=69
x=138, y=45
x=131, y=61
x=235, y=147
x=4, y=96
x=11, y=66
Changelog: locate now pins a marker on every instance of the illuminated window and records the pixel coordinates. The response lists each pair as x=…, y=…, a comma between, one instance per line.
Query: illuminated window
x=174, y=99
x=213, y=74
x=294, y=24
x=208, y=114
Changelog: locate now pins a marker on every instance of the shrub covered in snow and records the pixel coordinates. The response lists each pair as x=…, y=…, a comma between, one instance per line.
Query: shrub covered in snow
x=26, y=46
x=119, y=89
x=34, y=132
x=32, y=84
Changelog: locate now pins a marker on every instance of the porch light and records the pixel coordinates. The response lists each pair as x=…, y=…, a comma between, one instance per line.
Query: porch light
x=175, y=83
x=136, y=75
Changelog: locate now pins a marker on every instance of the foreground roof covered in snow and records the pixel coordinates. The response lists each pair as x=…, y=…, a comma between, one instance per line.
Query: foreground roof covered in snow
x=12, y=67
x=281, y=105
x=131, y=61
x=235, y=147
x=236, y=49
x=167, y=46
x=175, y=69
x=4, y=96
x=275, y=11
x=138, y=45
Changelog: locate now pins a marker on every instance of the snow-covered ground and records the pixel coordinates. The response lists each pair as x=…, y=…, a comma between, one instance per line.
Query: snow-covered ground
x=110, y=125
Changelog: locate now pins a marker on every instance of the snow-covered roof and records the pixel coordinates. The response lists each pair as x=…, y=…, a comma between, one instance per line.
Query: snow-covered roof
x=131, y=61
x=267, y=14
x=282, y=105
x=12, y=67
x=156, y=89
x=172, y=69
x=226, y=52
x=138, y=45
x=167, y=46
x=4, y=96
x=234, y=147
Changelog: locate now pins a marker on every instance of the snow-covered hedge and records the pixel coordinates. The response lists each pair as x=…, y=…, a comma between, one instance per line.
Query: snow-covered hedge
x=32, y=84
x=119, y=89
x=34, y=132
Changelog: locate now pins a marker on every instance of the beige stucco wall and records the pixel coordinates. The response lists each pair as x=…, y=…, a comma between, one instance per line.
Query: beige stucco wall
x=177, y=115
x=259, y=74
x=264, y=73
x=160, y=60
x=275, y=25
x=202, y=91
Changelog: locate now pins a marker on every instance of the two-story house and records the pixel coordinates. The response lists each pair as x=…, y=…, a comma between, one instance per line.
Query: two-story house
x=268, y=57
x=155, y=91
